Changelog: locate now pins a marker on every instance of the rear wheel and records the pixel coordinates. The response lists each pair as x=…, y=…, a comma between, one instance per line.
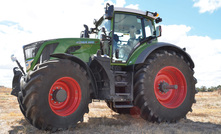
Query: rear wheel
x=56, y=95
x=164, y=87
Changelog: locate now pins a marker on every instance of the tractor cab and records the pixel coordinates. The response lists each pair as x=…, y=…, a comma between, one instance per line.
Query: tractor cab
x=123, y=30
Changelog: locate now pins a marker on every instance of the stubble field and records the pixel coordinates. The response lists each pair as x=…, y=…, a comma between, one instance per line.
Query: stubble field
x=205, y=118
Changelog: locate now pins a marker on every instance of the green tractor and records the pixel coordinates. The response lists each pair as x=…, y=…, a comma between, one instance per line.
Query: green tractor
x=123, y=64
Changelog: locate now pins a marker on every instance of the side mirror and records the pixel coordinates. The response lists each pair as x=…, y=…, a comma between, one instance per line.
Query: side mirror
x=85, y=33
x=158, y=20
x=109, y=9
x=158, y=31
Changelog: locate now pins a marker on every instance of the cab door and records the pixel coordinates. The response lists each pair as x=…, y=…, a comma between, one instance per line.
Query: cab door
x=129, y=31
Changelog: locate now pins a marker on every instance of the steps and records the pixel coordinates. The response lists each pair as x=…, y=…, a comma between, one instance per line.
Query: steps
x=123, y=94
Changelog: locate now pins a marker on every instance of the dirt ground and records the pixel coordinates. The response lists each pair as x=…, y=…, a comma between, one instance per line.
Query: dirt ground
x=205, y=118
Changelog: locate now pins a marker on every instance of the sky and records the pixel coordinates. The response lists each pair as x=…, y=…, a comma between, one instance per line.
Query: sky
x=193, y=24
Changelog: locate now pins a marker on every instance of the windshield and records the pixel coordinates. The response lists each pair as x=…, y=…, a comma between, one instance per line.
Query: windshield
x=129, y=30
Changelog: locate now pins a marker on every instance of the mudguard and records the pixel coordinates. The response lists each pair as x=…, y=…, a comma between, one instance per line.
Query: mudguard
x=164, y=46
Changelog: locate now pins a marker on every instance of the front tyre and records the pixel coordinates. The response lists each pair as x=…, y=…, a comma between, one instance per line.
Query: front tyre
x=164, y=87
x=56, y=95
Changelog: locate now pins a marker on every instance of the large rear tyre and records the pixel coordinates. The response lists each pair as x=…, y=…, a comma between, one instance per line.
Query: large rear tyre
x=164, y=87
x=56, y=95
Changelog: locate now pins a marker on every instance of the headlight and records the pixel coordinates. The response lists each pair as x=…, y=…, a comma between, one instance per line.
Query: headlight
x=28, y=64
x=31, y=50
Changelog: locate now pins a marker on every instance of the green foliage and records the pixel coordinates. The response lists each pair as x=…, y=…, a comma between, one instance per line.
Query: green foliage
x=210, y=89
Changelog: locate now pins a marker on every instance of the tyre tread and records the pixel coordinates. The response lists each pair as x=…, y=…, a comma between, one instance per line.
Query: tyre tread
x=139, y=80
x=28, y=99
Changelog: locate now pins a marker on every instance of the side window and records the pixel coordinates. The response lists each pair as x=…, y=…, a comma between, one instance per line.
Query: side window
x=107, y=25
x=127, y=34
x=105, y=45
x=149, y=29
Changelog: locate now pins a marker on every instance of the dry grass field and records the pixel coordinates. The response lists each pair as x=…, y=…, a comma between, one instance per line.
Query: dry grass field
x=205, y=118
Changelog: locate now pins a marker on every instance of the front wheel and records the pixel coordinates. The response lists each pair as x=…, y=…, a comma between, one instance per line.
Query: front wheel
x=164, y=87
x=56, y=95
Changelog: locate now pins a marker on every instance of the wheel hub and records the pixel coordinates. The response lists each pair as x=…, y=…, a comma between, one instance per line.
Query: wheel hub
x=165, y=87
x=59, y=95
x=64, y=96
x=170, y=96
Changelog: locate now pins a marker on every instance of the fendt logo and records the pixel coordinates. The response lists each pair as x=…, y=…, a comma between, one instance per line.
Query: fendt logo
x=85, y=42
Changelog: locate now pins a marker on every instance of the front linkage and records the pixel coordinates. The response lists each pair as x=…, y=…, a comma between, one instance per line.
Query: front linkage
x=18, y=73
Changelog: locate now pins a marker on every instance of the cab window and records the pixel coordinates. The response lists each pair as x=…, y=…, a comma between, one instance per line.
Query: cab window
x=127, y=34
x=149, y=29
x=107, y=25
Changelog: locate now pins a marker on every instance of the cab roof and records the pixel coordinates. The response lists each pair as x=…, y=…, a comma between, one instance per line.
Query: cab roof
x=152, y=15
x=129, y=10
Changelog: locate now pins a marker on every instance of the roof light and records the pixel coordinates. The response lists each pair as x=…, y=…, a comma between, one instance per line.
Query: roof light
x=155, y=14
x=152, y=14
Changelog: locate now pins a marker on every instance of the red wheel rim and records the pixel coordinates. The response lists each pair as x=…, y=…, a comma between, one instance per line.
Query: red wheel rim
x=73, y=99
x=173, y=98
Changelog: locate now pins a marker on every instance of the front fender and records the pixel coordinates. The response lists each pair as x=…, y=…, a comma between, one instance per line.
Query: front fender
x=163, y=46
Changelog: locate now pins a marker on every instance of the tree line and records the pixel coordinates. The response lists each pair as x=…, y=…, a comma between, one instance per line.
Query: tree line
x=210, y=89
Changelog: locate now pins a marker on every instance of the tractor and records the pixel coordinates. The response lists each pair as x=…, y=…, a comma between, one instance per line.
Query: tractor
x=123, y=65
